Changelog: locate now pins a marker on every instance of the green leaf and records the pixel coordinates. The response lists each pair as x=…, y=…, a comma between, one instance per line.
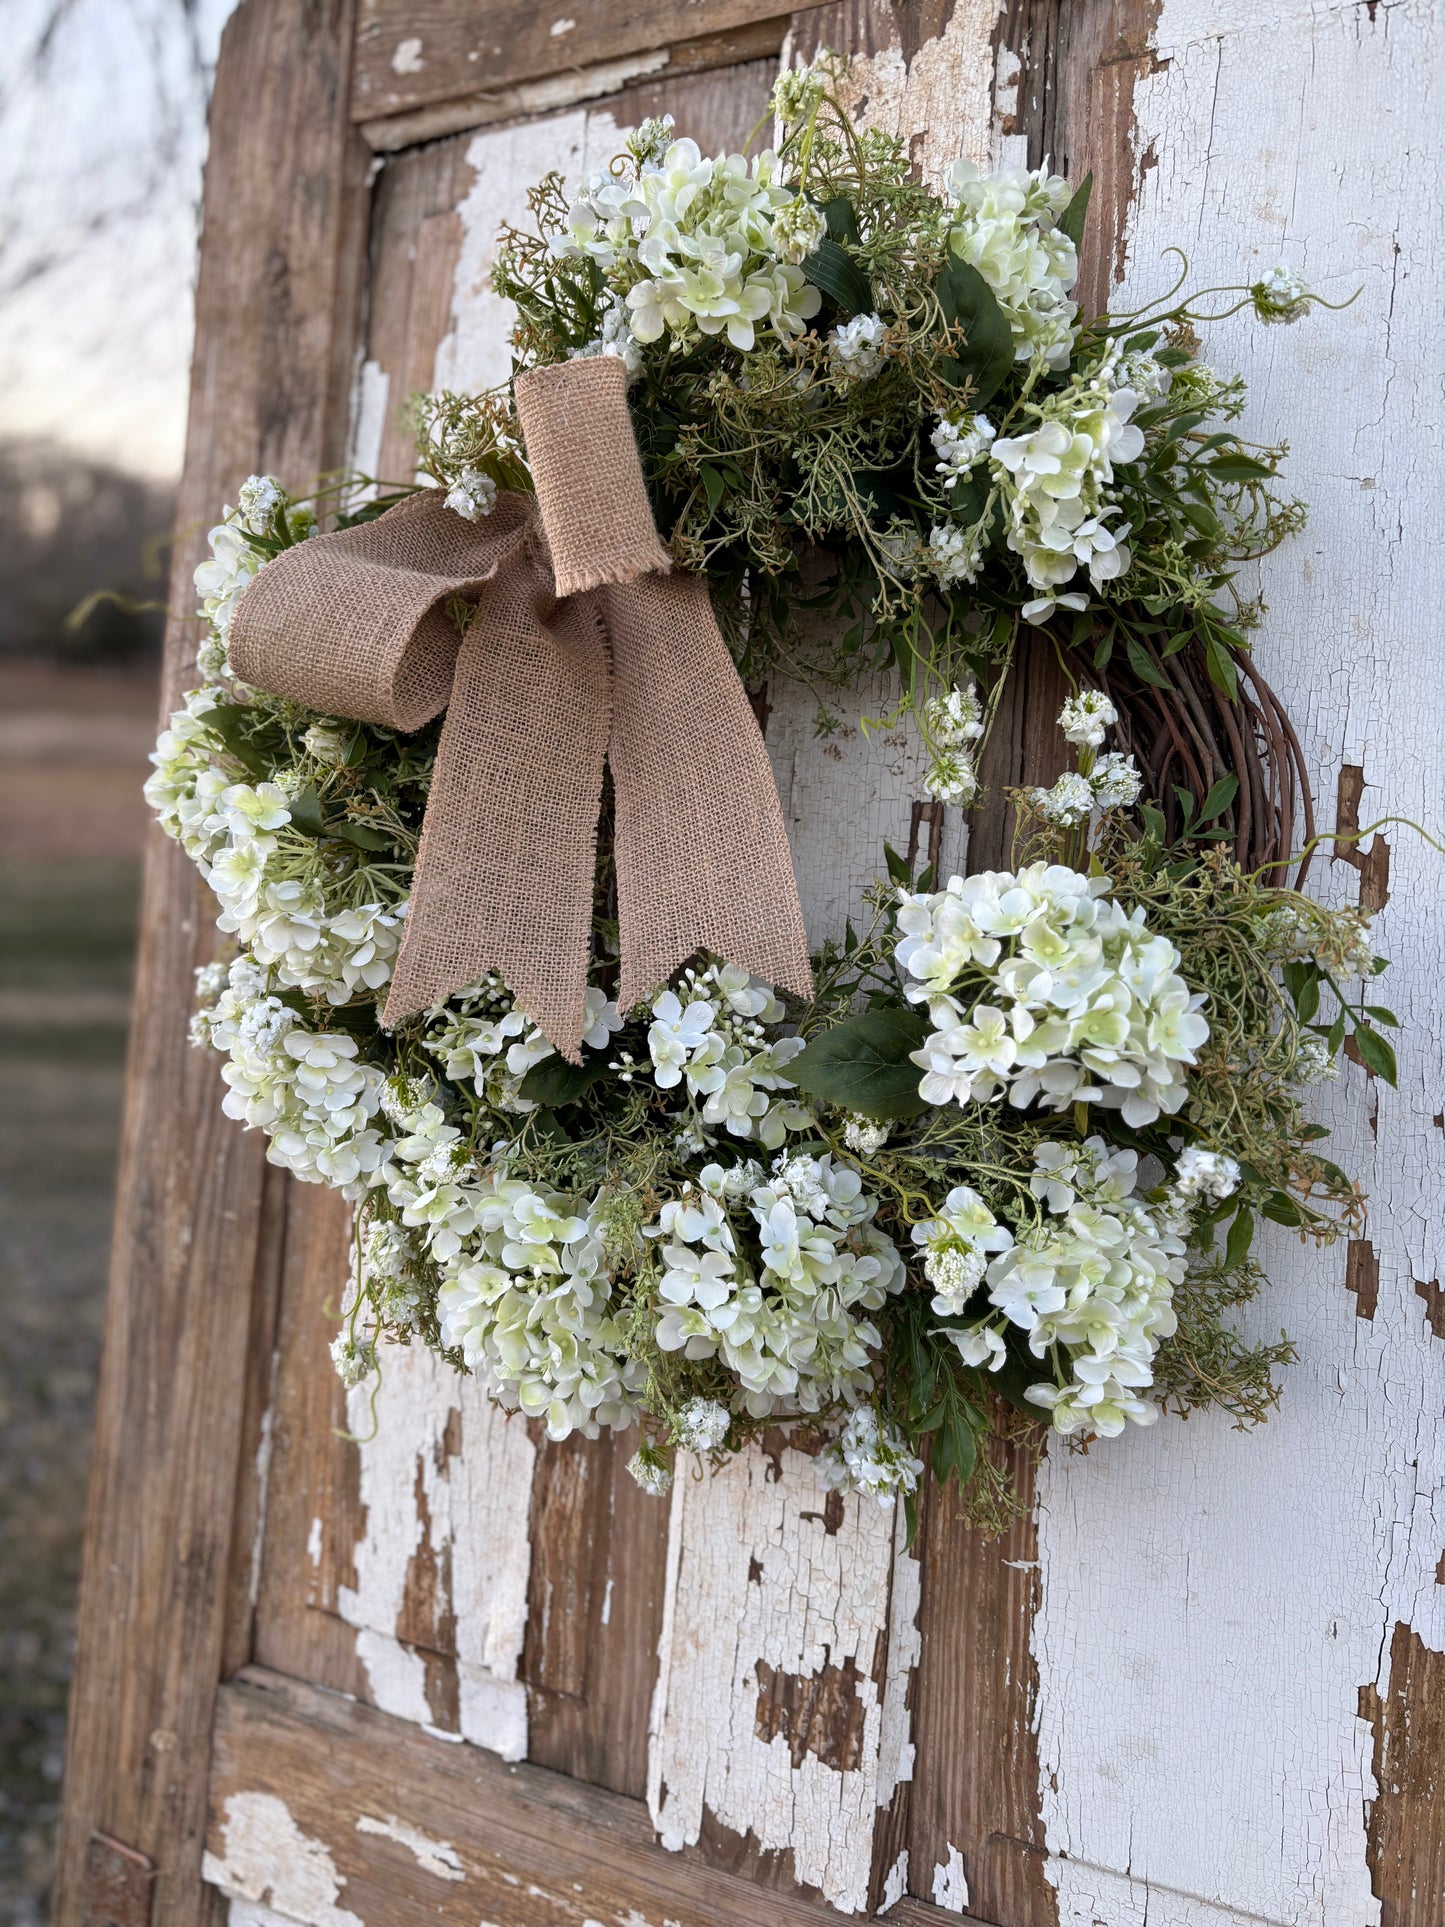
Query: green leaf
x=842, y=219
x=1307, y=999
x=714, y=483
x=1221, y=795
x=1280, y=1209
x=968, y=303
x=305, y=810
x=899, y=870
x=228, y=722
x=1241, y=1236
x=862, y=1064
x=1381, y=1015
x=1375, y=1053
x=554, y=1081
x=1141, y=665
x=837, y=275
x=1335, y=1036
x=1239, y=468
x=1221, y=667
x=1071, y=221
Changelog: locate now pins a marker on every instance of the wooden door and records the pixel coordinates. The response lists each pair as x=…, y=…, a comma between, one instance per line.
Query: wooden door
x=451, y=1673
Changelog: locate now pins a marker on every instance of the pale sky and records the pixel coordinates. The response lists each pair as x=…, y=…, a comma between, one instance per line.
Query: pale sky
x=102, y=136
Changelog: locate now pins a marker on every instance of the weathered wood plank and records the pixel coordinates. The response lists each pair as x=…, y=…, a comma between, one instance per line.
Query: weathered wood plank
x=1214, y=1604
x=409, y=55
x=769, y=1714
x=329, y=1814
x=276, y=303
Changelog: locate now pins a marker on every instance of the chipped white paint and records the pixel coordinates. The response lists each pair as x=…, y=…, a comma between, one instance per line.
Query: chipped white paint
x=371, y=397
x=755, y=1576
x=437, y=1857
x=895, y=1885
x=943, y=104
x=1212, y=1601
x=250, y=1913
x=560, y=27
x=407, y=58
x=315, y=1542
x=568, y=89
x=446, y=1477
x=263, y=1480
x=895, y=1737
x=950, y=1883
x=266, y=1857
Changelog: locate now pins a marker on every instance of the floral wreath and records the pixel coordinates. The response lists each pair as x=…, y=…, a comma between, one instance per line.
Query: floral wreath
x=1001, y=1173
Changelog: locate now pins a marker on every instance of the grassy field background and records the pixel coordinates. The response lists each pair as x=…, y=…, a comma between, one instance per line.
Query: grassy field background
x=72, y=757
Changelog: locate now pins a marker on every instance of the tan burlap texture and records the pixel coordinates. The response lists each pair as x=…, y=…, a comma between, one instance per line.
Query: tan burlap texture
x=584, y=650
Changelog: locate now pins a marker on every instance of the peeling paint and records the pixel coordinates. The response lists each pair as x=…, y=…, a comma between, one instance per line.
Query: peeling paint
x=437, y=1857
x=950, y=1884
x=266, y=1857
x=1212, y=1600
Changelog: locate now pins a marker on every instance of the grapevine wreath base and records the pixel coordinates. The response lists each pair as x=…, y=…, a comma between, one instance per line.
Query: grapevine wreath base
x=999, y=1172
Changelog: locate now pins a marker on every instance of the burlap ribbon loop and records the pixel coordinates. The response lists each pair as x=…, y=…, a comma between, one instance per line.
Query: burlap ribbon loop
x=584, y=650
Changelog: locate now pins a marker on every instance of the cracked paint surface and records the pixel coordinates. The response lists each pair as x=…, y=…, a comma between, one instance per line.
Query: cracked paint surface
x=1214, y=1601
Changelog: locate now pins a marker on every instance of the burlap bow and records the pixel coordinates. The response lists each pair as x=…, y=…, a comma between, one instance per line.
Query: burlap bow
x=584, y=650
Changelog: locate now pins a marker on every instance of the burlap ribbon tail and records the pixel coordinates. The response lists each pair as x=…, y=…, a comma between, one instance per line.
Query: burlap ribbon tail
x=585, y=650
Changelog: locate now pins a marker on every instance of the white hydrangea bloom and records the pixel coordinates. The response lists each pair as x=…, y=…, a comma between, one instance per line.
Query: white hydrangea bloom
x=961, y=442
x=1115, y=781
x=690, y=243
x=1205, y=1174
x=796, y=93
x=865, y=1135
x=855, y=349
x=259, y=498
x=616, y=339
x=1069, y=801
x=354, y=1358
x=702, y=1425
x=1090, y=1284
x=1055, y=482
x=1087, y=718
x=954, y=554
x=652, y=1473
x=1004, y=226
x=472, y=495
x=220, y=582
x=1281, y=295
x=1041, y=986
x=870, y=1455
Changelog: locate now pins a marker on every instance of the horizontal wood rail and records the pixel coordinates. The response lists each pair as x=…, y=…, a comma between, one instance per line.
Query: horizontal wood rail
x=375, y=1807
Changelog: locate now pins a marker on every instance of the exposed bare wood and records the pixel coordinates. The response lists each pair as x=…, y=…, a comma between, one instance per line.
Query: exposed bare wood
x=412, y=1830
x=757, y=40
x=1406, y=1837
x=119, y=1884
x=276, y=307
x=599, y=1558
x=1362, y=1276
x=410, y=55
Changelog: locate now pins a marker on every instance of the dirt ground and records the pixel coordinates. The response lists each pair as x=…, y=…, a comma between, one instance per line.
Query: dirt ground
x=72, y=758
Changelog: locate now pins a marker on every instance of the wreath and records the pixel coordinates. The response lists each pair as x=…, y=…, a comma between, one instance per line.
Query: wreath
x=998, y=1170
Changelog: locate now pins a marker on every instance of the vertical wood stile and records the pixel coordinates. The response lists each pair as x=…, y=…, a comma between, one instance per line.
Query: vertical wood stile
x=193, y=1263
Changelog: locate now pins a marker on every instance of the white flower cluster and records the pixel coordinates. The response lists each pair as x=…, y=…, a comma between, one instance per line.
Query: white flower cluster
x=855, y=349
x=711, y=1042
x=1055, y=487
x=1092, y=1281
x=789, y=1329
x=870, y=1455
x=1003, y=225
x=954, y=723
x=485, y=1041
x=472, y=495
x=696, y=245
x=268, y=879
x=1069, y=998
x=308, y=1091
x=1282, y=295
x=527, y=1301
x=961, y=441
x=1113, y=783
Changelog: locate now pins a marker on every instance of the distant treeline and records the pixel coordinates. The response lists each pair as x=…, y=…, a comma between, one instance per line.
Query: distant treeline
x=70, y=528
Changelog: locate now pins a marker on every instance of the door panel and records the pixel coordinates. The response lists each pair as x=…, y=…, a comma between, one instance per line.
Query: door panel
x=1194, y=1684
